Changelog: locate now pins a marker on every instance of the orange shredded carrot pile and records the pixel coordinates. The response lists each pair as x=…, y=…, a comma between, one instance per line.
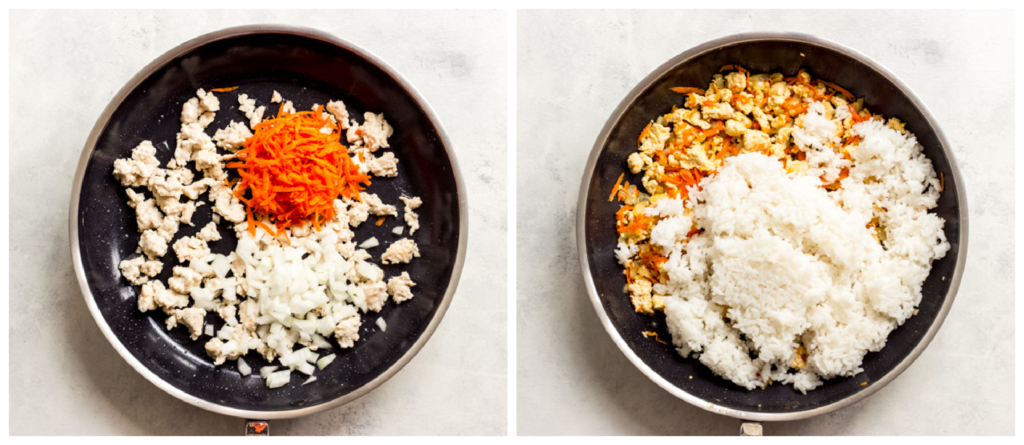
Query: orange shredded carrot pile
x=291, y=172
x=380, y=221
x=224, y=90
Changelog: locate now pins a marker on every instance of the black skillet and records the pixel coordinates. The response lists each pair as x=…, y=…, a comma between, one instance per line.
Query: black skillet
x=596, y=237
x=307, y=67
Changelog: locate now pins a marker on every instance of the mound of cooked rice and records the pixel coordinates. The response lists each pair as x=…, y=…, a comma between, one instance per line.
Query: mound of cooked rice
x=783, y=264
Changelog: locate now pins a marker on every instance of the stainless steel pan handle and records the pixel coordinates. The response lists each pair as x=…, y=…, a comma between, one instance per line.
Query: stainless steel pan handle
x=257, y=428
x=751, y=429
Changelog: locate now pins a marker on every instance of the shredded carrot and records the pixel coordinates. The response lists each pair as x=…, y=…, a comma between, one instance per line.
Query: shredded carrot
x=857, y=117
x=727, y=149
x=380, y=221
x=655, y=335
x=291, y=172
x=687, y=90
x=838, y=88
x=713, y=130
x=616, y=188
x=942, y=182
x=644, y=133
x=733, y=67
x=843, y=174
x=224, y=90
x=621, y=213
x=640, y=223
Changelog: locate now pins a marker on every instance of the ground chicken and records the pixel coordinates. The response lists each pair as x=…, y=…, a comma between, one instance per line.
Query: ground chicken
x=340, y=113
x=184, y=280
x=191, y=317
x=232, y=137
x=226, y=204
x=385, y=166
x=190, y=248
x=375, y=131
x=376, y=295
x=131, y=270
x=400, y=287
x=401, y=251
x=227, y=313
x=347, y=331
x=135, y=172
x=357, y=213
x=411, y=218
x=152, y=244
x=209, y=232
x=377, y=207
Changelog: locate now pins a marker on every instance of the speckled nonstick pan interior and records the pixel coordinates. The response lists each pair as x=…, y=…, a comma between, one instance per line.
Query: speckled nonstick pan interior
x=687, y=378
x=307, y=67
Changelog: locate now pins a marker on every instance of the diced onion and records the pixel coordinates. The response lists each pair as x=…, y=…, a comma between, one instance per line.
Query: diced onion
x=382, y=324
x=266, y=370
x=279, y=378
x=243, y=367
x=321, y=342
x=311, y=379
x=306, y=368
x=372, y=242
x=221, y=266
x=398, y=230
x=324, y=361
x=208, y=330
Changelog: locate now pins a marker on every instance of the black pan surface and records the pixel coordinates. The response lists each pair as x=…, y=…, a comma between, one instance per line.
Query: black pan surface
x=306, y=69
x=787, y=56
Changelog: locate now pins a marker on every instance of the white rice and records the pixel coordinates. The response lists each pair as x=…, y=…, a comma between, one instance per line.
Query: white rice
x=782, y=262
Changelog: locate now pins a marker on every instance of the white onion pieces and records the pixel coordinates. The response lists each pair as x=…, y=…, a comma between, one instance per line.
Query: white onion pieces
x=324, y=361
x=266, y=370
x=372, y=242
x=243, y=367
x=279, y=378
x=382, y=324
x=311, y=379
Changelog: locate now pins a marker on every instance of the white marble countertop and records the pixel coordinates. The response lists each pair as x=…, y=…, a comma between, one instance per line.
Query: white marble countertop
x=573, y=69
x=64, y=376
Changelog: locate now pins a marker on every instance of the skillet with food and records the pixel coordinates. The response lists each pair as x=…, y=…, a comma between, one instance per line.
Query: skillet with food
x=597, y=239
x=308, y=67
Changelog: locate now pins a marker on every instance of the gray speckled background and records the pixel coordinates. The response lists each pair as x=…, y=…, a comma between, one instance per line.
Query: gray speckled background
x=573, y=69
x=64, y=68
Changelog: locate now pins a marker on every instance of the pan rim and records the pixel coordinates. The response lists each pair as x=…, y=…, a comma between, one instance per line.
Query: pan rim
x=601, y=141
x=158, y=63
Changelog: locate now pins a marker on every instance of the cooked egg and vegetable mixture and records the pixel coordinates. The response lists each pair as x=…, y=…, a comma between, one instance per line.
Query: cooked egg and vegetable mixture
x=297, y=276
x=781, y=227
